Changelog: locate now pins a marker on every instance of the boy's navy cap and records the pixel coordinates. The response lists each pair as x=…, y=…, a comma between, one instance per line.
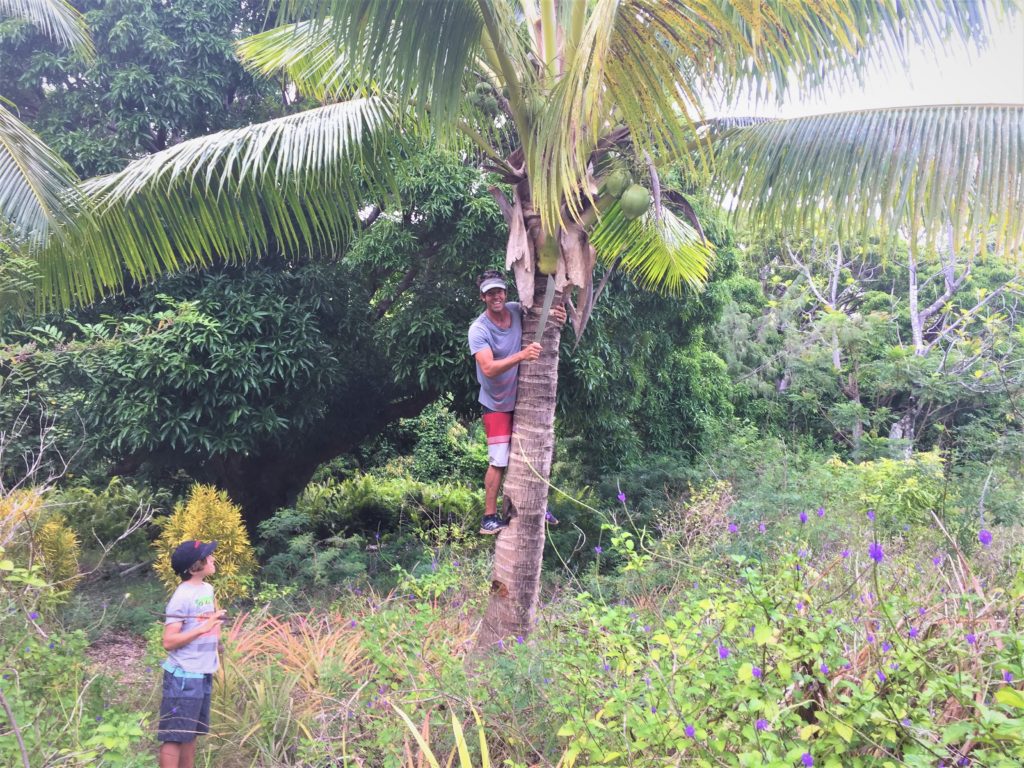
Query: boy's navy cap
x=188, y=553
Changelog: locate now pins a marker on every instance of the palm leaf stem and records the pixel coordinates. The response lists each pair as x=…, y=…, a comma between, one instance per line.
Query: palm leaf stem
x=516, y=102
x=474, y=135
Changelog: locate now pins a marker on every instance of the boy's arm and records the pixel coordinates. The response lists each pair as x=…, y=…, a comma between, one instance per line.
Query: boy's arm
x=174, y=638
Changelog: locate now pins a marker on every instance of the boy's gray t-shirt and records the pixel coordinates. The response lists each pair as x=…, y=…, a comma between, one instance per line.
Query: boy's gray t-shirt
x=499, y=393
x=192, y=601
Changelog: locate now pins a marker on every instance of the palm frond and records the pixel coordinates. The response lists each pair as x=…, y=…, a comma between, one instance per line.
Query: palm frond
x=651, y=64
x=307, y=53
x=56, y=19
x=912, y=172
x=817, y=46
x=35, y=184
x=288, y=185
x=665, y=254
x=420, y=48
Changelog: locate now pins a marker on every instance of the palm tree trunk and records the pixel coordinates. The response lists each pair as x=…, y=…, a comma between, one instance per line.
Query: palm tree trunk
x=515, y=584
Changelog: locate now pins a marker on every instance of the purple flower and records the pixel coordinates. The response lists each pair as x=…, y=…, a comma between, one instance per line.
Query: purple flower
x=622, y=497
x=606, y=667
x=519, y=639
x=871, y=515
x=985, y=537
x=653, y=709
x=807, y=760
x=881, y=676
x=913, y=633
x=723, y=652
x=905, y=722
x=762, y=528
x=1007, y=676
x=598, y=550
x=824, y=668
x=761, y=724
x=821, y=511
x=690, y=731
x=757, y=672
x=875, y=552
x=886, y=646
x=34, y=615
x=937, y=561
x=352, y=624
x=871, y=638
x=803, y=518
x=845, y=553
x=733, y=528
x=971, y=639
x=922, y=611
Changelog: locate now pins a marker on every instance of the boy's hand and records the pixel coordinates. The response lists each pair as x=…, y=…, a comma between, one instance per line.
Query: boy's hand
x=558, y=314
x=213, y=620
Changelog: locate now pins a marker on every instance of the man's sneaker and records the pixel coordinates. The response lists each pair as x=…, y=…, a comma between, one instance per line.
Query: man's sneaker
x=549, y=518
x=492, y=524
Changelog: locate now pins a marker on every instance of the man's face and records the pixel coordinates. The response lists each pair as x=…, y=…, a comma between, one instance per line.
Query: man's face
x=494, y=299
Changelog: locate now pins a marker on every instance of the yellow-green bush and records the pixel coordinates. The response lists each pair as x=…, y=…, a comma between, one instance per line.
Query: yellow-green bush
x=209, y=515
x=32, y=535
x=57, y=548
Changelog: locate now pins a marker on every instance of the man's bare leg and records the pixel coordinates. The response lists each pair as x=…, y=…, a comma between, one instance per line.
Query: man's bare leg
x=492, y=484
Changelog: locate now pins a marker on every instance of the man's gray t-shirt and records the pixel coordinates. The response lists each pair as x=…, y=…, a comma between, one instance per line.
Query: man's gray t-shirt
x=192, y=601
x=499, y=393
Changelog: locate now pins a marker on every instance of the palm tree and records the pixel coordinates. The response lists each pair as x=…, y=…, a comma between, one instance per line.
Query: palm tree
x=566, y=101
x=36, y=186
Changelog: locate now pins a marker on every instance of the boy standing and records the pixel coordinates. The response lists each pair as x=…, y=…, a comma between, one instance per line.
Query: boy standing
x=191, y=637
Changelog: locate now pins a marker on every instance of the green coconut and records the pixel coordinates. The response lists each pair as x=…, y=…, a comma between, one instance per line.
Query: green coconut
x=547, y=255
x=617, y=182
x=483, y=88
x=635, y=201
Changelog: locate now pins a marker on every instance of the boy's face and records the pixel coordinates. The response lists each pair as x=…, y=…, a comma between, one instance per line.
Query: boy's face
x=205, y=567
x=210, y=568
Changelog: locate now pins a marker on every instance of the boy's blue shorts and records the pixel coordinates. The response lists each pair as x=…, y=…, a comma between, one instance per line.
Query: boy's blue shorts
x=184, y=707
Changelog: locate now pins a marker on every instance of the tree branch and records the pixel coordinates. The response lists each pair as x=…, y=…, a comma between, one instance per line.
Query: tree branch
x=14, y=727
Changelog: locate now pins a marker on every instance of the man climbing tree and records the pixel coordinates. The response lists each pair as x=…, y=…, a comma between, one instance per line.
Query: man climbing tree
x=496, y=343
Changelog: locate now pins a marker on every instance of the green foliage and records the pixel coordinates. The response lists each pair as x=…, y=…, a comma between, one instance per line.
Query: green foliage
x=63, y=710
x=101, y=517
x=39, y=542
x=208, y=515
x=161, y=73
x=685, y=649
x=345, y=531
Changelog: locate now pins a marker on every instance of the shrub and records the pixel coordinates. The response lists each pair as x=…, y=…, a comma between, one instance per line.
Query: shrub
x=101, y=517
x=58, y=550
x=339, y=531
x=36, y=537
x=209, y=515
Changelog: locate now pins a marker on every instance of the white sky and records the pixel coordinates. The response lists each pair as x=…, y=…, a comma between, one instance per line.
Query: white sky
x=957, y=76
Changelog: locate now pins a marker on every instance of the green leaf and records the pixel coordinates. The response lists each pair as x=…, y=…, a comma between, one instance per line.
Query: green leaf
x=763, y=635
x=845, y=731
x=1011, y=697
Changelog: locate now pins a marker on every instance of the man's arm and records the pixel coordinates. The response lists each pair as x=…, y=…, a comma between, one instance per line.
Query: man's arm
x=491, y=367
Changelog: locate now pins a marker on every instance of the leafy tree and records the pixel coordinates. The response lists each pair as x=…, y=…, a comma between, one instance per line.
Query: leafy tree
x=36, y=186
x=566, y=95
x=161, y=73
x=249, y=378
x=832, y=341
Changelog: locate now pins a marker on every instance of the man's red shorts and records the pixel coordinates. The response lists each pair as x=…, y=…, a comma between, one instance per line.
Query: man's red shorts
x=498, y=427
